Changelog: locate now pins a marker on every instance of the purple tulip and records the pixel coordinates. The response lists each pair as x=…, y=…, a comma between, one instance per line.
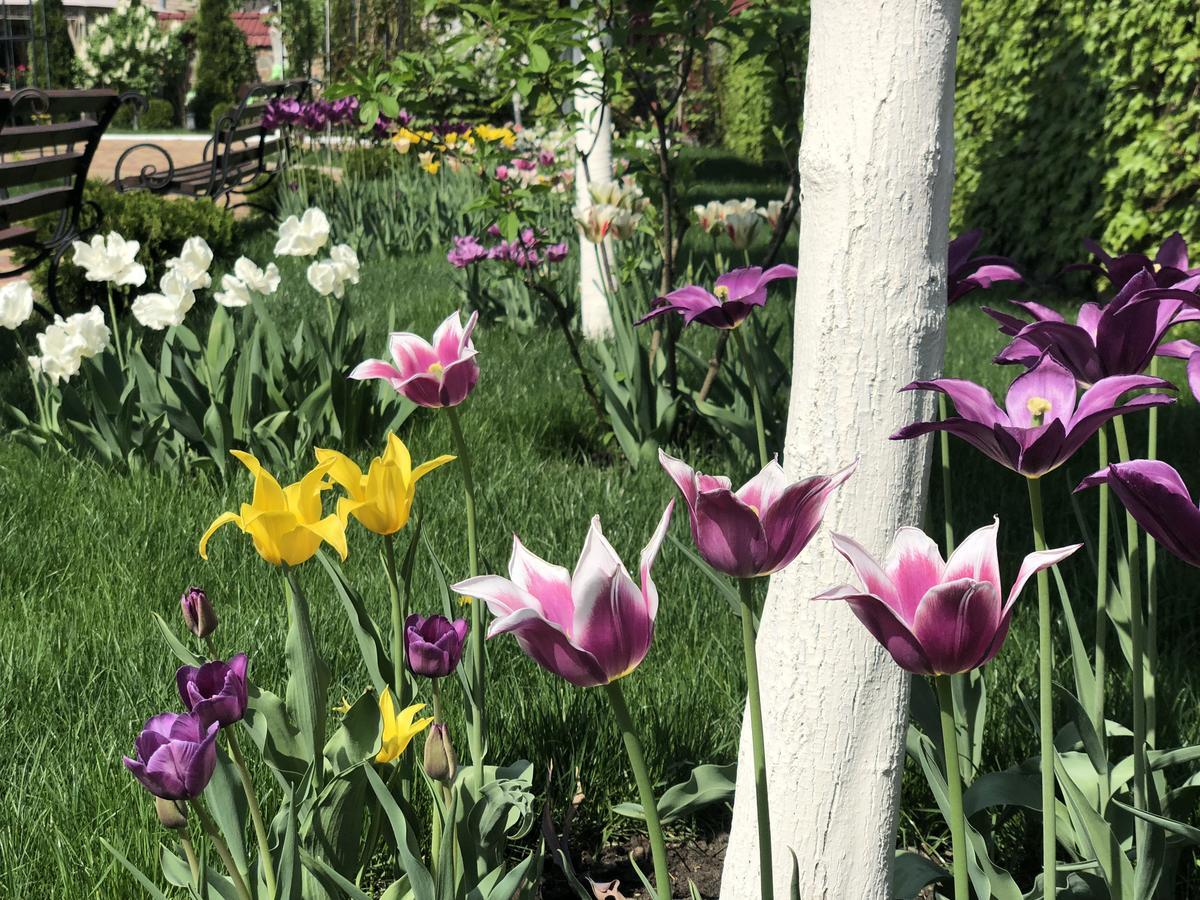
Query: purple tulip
x=760, y=528
x=556, y=253
x=1043, y=422
x=1169, y=267
x=936, y=617
x=733, y=298
x=466, y=251
x=216, y=691
x=175, y=755
x=1158, y=499
x=1120, y=338
x=591, y=627
x=546, y=158
x=198, y=612
x=964, y=273
x=431, y=375
x=525, y=165
x=434, y=646
x=501, y=173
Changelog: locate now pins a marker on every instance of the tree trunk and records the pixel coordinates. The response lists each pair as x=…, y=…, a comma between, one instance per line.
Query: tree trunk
x=593, y=141
x=876, y=163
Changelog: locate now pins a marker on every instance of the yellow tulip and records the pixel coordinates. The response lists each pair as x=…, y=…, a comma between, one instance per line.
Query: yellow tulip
x=398, y=730
x=285, y=523
x=382, y=498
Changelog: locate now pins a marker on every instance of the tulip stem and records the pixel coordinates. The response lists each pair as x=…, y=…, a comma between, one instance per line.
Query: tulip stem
x=399, y=603
x=755, y=399
x=1137, y=656
x=633, y=747
x=1098, y=700
x=1045, y=696
x=190, y=852
x=478, y=663
x=754, y=701
x=256, y=816
x=1152, y=592
x=958, y=827
x=116, y=330
x=947, y=505
x=214, y=835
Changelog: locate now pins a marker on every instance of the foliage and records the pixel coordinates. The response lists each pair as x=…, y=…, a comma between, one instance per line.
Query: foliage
x=1092, y=103
x=162, y=225
x=224, y=62
x=55, y=40
x=126, y=49
x=301, y=35
x=749, y=104
x=158, y=115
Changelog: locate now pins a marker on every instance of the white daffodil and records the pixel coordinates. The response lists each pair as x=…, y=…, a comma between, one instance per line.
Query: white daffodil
x=167, y=308
x=16, y=304
x=345, y=260
x=325, y=280
x=261, y=281
x=110, y=258
x=193, y=263
x=234, y=293
x=303, y=236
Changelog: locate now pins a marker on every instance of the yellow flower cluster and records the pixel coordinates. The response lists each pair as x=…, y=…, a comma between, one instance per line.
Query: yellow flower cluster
x=451, y=144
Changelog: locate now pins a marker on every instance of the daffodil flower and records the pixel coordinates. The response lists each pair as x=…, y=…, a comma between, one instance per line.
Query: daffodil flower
x=398, y=730
x=285, y=523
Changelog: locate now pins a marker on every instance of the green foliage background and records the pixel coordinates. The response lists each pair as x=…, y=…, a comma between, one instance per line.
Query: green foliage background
x=749, y=104
x=55, y=41
x=223, y=60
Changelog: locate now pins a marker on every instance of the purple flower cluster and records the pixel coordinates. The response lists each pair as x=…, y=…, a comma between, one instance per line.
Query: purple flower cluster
x=441, y=129
x=528, y=251
x=315, y=115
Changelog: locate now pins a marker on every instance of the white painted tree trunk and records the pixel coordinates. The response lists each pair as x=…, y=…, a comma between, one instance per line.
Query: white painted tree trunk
x=593, y=142
x=876, y=165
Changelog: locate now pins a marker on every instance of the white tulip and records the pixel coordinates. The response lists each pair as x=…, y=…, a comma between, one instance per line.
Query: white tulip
x=90, y=329
x=110, y=258
x=740, y=227
x=710, y=217
x=192, y=263
x=303, y=236
x=162, y=310
x=16, y=304
x=66, y=343
x=345, y=260
x=234, y=293
x=261, y=281
x=323, y=276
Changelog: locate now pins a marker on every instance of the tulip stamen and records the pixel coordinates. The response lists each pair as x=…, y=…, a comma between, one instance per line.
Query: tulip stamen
x=1039, y=407
x=721, y=292
x=436, y=368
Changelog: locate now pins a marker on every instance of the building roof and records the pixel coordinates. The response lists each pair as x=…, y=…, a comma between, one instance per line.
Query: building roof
x=254, y=26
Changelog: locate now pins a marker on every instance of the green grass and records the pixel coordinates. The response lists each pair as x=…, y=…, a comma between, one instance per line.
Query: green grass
x=88, y=555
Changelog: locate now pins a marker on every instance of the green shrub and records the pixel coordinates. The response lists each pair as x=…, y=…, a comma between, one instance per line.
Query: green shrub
x=749, y=104
x=55, y=40
x=1076, y=118
x=159, y=114
x=161, y=226
x=223, y=61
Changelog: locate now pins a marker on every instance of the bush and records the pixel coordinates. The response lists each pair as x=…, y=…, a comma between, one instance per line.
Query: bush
x=56, y=40
x=749, y=104
x=223, y=61
x=159, y=114
x=1074, y=119
x=161, y=225
x=127, y=49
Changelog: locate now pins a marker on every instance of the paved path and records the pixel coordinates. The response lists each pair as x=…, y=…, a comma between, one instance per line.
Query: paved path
x=184, y=150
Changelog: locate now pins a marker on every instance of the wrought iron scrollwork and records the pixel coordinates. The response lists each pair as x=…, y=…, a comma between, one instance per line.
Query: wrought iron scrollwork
x=150, y=176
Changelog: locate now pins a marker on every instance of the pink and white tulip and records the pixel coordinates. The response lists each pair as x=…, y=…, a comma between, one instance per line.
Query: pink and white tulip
x=936, y=617
x=591, y=627
x=433, y=375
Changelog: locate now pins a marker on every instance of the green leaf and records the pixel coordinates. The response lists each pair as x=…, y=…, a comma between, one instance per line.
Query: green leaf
x=1097, y=837
x=912, y=873
x=539, y=59
x=418, y=876
x=357, y=739
x=182, y=653
x=366, y=633
x=707, y=784
x=290, y=875
x=308, y=675
x=149, y=886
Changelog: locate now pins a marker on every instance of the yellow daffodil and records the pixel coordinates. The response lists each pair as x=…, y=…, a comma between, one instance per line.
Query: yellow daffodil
x=403, y=139
x=285, y=523
x=380, y=499
x=398, y=730
x=428, y=163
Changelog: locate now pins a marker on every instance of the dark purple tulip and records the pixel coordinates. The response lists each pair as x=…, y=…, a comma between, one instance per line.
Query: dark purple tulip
x=466, y=251
x=434, y=646
x=1158, y=499
x=198, y=612
x=546, y=158
x=733, y=298
x=758, y=529
x=1043, y=422
x=964, y=273
x=175, y=755
x=1120, y=338
x=525, y=165
x=216, y=691
x=1168, y=268
x=556, y=253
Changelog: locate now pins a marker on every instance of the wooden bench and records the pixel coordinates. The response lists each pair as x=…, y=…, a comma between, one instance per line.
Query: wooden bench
x=47, y=141
x=242, y=157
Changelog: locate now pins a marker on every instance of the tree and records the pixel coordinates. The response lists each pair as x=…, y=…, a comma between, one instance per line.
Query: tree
x=224, y=62
x=52, y=55
x=593, y=141
x=127, y=50
x=876, y=164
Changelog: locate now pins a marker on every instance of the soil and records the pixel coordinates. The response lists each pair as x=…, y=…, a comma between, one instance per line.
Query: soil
x=697, y=860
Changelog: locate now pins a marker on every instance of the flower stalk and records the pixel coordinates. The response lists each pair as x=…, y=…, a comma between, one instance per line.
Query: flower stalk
x=1045, y=690
x=754, y=702
x=256, y=816
x=958, y=828
x=755, y=400
x=214, y=835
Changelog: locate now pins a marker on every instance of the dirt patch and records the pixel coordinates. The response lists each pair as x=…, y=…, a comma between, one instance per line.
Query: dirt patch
x=698, y=860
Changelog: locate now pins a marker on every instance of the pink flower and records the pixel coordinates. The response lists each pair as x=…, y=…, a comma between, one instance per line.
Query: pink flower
x=936, y=617
x=501, y=173
x=591, y=627
x=431, y=375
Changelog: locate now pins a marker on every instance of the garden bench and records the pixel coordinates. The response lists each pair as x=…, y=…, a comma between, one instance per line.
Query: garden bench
x=242, y=157
x=47, y=141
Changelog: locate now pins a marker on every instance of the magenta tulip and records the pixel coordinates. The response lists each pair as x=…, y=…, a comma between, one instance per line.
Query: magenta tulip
x=590, y=627
x=433, y=645
x=965, y=273
x=734, y=296
x=1169, y=268
x=215, y=691
x=175, y=755
x=761, y=527
x=1044, y=420
x=431, y=375
x=936, y=617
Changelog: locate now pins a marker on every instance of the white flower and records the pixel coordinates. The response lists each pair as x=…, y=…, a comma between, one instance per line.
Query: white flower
x=158, y=311
x=110, y=258
x=66, y=343
x=345, y=260
x=90, y=329
x=16, y=304
x=710, y=216
x=234, y=293
x=741, y=226
x=262, y=281
x=749, y=205
x=324, y=278
x=303, y=236
x=192, y=263
x=771, y=212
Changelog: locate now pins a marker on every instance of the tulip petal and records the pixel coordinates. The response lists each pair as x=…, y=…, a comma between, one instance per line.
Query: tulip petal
x=1034, y=563
x=223, y=519
x=728, y=534
x=976, y=557
x=1105, y=393
x=649, y=555
x=343, y=471
x=761, y=491
x=549, y=647
x=374, y=368
x=426, y=467
x=550, y=584
x=971, y=401
x=331, y=530
x=792, y=520
x=873, y=576
x=1193, y=373
x=502, y=596
x=956, y=623
x=885, y=626
x=268, y=495
x=913, y=565
x=1048, y=382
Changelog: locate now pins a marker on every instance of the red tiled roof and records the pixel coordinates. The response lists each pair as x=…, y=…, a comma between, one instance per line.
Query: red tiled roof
x=253, y=25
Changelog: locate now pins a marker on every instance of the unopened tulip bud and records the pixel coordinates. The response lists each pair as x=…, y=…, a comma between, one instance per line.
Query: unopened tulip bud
x=170, y=813
x=198, y=612
x=440, y=762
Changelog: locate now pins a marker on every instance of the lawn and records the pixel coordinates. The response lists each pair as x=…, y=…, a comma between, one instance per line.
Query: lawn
x=88, y=556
